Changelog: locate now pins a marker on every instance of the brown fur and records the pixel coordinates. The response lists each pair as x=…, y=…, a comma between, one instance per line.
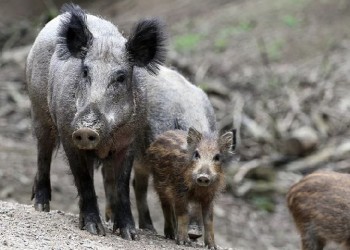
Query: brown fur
x=320, y=206
x=174, y=168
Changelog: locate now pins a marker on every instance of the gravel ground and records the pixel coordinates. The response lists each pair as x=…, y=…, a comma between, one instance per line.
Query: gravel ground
x=23, y=228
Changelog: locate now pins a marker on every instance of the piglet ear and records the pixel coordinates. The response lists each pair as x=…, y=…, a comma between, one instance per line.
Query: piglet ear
x=227, y=142
x=146, y=45
x=74, y=37
x=193, y=137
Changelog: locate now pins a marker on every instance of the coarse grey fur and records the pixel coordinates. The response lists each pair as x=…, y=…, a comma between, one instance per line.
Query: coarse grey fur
x=170, y=97
x=80, y=78
x=126, y=118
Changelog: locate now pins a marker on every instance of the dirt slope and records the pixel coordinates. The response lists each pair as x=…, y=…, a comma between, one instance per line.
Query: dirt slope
x=23, y=228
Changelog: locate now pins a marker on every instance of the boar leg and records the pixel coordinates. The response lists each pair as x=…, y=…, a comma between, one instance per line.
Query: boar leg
x=182, y=218
x=140, y=183
x=207, y=212
x=82, y=169
x=312, y=243
x=195, y=225
x=109, y=175
x=124, y=220
x=42, y=187
x=169, y=218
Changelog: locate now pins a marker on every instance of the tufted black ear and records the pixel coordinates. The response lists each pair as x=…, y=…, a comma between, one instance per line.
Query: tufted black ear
x=146, y=45
x=74, y=37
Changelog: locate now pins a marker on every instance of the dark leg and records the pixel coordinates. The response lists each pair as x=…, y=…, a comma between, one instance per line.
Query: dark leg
x=182, y=219
x=41, y=192
x=169, y=220
x=195, y=226
x=124, y=220
x=347, y=245
x=82, y=169
x=311, y=242
x=207, y=210
x=140, y=184
x=110, y=185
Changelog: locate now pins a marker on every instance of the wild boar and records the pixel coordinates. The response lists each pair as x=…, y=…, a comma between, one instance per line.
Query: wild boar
x=170, y=97
x=86, y=86
x=320, y=205
x=189, y=166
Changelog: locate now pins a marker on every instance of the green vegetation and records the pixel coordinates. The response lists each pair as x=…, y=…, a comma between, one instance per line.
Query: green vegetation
x=187, y=42
x=225, y=34
x=274, y=49
x=265, y=203
x=290, y=21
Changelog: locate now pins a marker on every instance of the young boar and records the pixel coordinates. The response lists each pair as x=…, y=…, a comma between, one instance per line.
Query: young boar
x=86, y=86
x=170, y=97
x=189, y=166
x=320, y=205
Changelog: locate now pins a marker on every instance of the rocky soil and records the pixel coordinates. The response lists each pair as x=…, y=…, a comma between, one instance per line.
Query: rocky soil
x=24, y=228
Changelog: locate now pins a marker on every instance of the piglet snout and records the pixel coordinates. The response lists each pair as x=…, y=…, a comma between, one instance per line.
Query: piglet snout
x=203, y=180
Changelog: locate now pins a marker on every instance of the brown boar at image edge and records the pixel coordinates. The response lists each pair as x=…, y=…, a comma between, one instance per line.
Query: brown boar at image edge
x=189, y=166
x=320, y=206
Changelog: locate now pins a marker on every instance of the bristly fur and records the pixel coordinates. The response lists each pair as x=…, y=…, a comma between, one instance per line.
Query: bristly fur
x=74, y=37
x=147, y=45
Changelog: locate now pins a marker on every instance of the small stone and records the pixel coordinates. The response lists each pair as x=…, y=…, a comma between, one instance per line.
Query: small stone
x=5, y=243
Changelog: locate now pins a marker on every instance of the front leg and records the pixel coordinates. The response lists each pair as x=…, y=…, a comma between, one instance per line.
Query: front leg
x=182, y=218
x=82, y=169
x=195, y=225
x=124, y=220
x=46, y=142
x=207, y=212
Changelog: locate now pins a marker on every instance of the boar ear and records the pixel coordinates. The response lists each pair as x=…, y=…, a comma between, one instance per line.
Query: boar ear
x=193, y=137
x=74, y=37
x=146, y=45
x=227, y=142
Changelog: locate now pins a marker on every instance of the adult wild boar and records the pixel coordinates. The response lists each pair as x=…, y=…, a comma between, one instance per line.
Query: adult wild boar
x=85, y=86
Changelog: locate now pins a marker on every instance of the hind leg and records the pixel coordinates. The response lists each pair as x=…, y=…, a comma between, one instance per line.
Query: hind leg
x=140, y=183
x=346, y=245
x=310, y=241
x=46, y=142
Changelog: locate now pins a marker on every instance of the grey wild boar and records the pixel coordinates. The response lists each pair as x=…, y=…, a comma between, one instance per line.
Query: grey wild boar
x=170, y=97
x=189, y=166
x=320, y=205
x=86, y=83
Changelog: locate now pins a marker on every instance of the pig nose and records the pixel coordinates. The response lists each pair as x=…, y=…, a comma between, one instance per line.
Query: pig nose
x=85, y=138
x=203, y=180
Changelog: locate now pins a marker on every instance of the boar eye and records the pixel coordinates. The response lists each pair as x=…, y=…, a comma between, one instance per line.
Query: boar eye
x=85, y=71
x=196, y=155
x=121, y=78
x=217, y=157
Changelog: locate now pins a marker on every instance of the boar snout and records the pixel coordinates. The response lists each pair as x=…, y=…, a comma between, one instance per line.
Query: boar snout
x=203, y=180
x=86, y=138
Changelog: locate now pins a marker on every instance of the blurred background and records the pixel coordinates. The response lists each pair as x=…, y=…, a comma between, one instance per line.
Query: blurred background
x=277, y=70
